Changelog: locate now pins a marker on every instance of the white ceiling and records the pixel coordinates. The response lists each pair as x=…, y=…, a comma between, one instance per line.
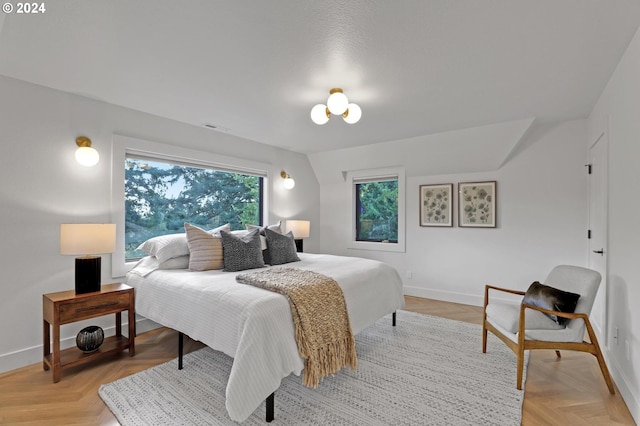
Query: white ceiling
x=255, y=68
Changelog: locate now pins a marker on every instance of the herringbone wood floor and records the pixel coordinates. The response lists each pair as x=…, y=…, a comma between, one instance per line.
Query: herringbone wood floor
x=566, y=392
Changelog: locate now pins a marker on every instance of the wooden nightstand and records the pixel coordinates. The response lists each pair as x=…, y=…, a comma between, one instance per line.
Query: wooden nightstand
x=65, y=307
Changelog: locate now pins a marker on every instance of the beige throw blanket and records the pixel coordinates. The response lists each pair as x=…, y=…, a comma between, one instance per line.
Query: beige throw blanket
x=319, y=311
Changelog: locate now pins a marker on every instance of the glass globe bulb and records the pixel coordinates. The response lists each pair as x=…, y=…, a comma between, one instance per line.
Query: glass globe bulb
x=352, y=114
x=87, y=156
x=288, y=183
x=337, y=103
x=319, y=114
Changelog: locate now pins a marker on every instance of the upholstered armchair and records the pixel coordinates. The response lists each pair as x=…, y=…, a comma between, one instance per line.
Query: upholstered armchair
x=524, y=326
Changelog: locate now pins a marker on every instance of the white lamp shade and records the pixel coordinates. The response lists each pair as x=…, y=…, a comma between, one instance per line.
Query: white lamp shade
x=87, y=238
x=337, y=103
x=319, y=114
x=87, y=156
x=353, y=114
x=289, y=183
x=299, y=228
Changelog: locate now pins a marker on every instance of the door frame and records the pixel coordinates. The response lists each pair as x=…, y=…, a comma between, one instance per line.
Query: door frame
x=603, y=137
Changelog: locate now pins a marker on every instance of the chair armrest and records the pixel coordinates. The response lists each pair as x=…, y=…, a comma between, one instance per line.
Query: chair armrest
x=522, y=326
x=556, y=313
x=504, y=290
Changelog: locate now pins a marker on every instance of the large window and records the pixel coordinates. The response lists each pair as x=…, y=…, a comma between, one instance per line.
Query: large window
x=378, y=209
x=156, y=187
x=160, y=196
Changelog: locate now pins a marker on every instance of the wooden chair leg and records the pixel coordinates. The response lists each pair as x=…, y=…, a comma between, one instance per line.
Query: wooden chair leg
x=600, y=358
x=520, y=355
x=484, y=338
x=558, y=354
x=605, y=371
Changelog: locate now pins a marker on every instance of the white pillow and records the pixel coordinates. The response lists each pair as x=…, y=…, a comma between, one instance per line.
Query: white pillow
x=275, y=227
x=165, y=247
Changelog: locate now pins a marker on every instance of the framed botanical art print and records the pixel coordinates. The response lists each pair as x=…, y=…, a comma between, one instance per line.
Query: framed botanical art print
x=477, y=204
x=436, y=205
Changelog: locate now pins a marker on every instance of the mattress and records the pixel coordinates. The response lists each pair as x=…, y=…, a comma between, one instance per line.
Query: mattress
x=252, y=325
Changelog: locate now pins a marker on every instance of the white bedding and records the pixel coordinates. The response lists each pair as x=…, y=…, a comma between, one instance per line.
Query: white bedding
x=253, y=325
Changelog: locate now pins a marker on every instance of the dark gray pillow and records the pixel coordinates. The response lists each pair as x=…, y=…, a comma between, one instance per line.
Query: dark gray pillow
x=281, y=248
x=241, y=253
x=546, y=297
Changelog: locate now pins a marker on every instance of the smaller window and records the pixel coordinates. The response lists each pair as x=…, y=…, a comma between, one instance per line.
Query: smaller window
x=377, y=212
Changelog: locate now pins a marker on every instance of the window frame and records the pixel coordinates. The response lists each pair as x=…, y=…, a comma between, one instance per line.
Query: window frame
x=121, y=146
x=362, y=176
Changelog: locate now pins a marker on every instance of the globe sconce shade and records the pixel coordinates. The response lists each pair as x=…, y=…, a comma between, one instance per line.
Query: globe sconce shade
x=288, y=182
x=86, y=155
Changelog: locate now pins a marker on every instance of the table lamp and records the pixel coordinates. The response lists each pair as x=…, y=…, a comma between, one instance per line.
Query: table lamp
x=87, y=239
x=300, y=230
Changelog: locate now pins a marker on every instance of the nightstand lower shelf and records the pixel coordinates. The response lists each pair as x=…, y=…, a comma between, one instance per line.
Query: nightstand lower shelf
x=72, y=357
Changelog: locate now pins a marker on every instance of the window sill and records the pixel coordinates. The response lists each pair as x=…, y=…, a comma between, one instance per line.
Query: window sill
x=367, y=245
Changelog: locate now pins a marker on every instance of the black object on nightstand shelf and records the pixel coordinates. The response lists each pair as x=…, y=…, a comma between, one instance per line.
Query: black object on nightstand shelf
x=89, y=339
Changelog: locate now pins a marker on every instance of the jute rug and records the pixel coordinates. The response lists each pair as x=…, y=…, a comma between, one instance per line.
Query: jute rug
x=425, y=371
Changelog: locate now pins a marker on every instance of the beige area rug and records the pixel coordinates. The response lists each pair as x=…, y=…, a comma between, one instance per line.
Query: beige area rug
x=425, y=371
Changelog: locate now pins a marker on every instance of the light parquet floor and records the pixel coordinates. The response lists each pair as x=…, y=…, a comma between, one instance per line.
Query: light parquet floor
x=570, y=391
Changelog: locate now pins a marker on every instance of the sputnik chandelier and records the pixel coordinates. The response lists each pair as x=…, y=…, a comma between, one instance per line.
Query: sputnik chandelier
x=337, y=104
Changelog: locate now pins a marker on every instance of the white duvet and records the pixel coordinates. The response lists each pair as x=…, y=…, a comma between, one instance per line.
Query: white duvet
x=252, y=325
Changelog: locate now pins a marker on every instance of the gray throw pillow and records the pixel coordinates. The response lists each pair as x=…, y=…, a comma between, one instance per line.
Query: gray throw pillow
x=281, y=248
x=241, y=252
x=546, y=297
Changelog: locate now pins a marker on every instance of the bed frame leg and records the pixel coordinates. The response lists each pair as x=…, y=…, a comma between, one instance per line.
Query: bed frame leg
x=393, y=319
x=180, y=349
x=270, y=403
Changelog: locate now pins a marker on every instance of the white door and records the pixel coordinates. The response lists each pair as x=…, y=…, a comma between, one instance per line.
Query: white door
x=598, y=230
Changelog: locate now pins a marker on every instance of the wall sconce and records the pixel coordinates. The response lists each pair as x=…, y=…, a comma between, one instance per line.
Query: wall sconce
x=87, y=239
x=85, y=154
x=337, y=104
x=288, y=183
x=300, y=229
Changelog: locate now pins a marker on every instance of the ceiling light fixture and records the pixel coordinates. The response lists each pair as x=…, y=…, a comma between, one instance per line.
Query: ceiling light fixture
x=337, y=104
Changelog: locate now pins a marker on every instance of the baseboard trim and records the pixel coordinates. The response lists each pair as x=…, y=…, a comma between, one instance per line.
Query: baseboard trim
x=632, y=400
x=446, y=296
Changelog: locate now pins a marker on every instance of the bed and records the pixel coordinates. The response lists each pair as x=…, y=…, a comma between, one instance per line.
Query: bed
x=252, y=325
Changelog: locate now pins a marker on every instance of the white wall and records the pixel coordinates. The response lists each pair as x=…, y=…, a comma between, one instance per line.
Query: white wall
x=542, y=221
x=618, y=112
x=42, y=186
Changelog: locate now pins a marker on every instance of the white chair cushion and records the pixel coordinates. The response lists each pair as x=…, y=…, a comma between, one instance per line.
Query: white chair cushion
x=507, y=315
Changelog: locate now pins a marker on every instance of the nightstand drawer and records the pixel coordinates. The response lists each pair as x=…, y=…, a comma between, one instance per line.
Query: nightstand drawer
x=74, y=310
